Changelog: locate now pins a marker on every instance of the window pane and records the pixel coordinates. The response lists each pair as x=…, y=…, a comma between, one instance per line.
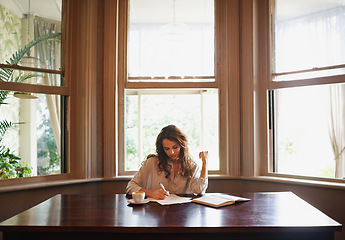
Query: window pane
x=171, y=38
x=303, y=131
x=22, y=22
x=309, y=34
x=31, y=130
x=29, y=77
x=195, y=113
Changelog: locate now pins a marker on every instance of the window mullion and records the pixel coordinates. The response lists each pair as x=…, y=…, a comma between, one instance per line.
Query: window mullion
x=140, y=137
x=202, y=113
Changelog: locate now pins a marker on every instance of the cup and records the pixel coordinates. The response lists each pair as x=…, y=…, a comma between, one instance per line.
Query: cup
x=138, y=197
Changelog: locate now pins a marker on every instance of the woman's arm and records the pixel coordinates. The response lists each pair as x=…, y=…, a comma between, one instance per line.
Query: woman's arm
x=156, y=194
x=139, y=183
x=204, y=157
x=199, y=180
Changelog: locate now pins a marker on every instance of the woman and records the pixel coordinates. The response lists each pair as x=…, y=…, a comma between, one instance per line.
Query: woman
x=172, y=167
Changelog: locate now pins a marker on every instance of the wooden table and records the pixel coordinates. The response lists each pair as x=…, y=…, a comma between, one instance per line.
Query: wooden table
x=280, y=215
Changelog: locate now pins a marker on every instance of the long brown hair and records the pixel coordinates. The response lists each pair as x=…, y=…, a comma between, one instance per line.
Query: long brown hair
x=172, y=133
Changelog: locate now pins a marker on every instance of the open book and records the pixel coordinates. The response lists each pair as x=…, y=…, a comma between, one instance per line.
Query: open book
x=219, y=200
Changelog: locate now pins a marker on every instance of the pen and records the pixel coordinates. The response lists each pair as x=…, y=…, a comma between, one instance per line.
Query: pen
x=162, y=186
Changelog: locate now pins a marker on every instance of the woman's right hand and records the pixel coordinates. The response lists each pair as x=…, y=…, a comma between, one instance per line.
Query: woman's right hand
x=159, y=194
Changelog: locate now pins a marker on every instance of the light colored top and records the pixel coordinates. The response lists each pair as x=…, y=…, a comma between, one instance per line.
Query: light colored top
x=149, y=177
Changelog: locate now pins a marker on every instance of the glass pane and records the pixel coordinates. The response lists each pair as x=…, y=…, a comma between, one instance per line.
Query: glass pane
x=49, y=79
x=309, y=34
x=310, y=75
x=171, y=38
x=303, y=131
x=30, y=129
x=195, y=113
x=36, y=22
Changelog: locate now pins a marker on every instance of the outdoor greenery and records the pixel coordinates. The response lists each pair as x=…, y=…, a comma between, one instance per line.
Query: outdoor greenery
x=46, y=146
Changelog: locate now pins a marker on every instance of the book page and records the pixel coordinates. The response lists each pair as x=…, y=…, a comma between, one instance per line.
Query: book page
x=230, y=197
x=218, y=199
x=213, y=200
x=172, y=199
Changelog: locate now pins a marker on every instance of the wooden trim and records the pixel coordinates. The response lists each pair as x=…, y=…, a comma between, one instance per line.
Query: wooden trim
x=34, y=88
x=262, y=160
x=232, y=83
x=182, y=79
x=307, y=82
x=110, y=88
x=82, y=73
x=309, y=70
x=221, y=74
x=248, y=75
x=152, y=85
x=255, y=65
x=32, y=69
x=15, y=184
x=121, y=81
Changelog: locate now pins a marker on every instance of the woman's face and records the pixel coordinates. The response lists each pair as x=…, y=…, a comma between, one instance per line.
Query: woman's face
x=171, y=148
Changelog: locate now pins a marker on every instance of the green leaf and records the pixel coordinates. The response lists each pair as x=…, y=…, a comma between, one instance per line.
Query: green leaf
x=4, y=126
x=5, y=73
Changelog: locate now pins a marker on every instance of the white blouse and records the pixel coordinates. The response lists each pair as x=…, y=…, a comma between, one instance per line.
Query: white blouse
x=149, y=177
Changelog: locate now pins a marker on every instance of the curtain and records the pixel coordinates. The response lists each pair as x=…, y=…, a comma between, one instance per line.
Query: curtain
x=49, y=54
x=313, y=40
x=337, y=127
x=317, y=40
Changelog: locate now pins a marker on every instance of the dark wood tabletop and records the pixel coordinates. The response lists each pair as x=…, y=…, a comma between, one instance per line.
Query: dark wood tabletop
x=278, y=212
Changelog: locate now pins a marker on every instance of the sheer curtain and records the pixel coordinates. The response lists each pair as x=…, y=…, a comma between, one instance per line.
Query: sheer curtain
x=317, y=40
x=337, y=127
x=49, y=55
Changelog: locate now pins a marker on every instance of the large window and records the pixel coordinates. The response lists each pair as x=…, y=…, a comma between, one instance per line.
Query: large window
x=170, y=77
x=306, y=90
x=32, y=92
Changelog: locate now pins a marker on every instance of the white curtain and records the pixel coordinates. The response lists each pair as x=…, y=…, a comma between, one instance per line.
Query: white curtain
x=314, y=40
x=49, y=55
x=317, y=40
x=337, y=127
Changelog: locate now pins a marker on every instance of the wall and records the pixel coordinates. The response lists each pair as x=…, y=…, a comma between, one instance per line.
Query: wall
x=10, y=39
x=329, y=201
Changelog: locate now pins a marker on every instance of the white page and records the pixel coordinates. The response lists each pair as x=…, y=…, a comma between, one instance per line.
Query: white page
x=172, y=199
x=229, y=197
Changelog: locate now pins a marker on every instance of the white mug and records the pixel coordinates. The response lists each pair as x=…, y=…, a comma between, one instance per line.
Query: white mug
x=138, y=197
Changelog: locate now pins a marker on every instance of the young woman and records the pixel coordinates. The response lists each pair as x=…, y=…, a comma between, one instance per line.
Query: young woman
x=171, y=167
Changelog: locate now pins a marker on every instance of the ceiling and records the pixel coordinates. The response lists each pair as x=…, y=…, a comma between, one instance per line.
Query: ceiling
x=50, y=9
x=286, y=9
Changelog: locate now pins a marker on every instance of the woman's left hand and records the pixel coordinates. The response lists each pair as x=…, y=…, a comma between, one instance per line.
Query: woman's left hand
x=204, y=157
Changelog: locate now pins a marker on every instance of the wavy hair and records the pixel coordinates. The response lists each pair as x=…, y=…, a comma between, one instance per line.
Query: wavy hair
x=172, y=133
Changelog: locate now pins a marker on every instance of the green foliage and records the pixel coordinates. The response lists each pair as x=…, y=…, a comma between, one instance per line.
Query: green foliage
x=4, y=126
x=328, y=171
x=10, y=167
x=46, y=146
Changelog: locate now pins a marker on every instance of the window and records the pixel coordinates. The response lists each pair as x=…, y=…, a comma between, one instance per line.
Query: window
x=170, y=78
x=307, y=90
x=145, y=117
x=32, y=92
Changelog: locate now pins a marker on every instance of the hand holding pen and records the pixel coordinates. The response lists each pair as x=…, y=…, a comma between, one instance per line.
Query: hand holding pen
x=162, y=193
x=159, y=194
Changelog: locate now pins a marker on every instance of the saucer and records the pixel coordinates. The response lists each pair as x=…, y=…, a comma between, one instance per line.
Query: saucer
x=131, y=201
